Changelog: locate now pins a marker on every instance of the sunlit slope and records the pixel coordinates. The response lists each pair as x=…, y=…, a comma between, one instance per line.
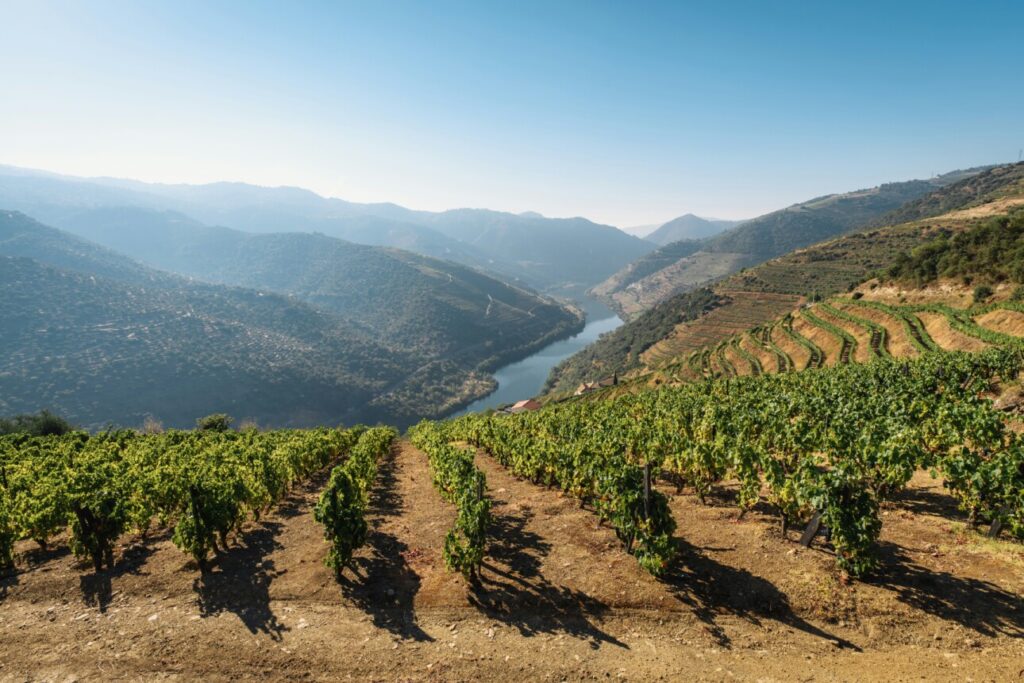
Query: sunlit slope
x=680, y=267
x=759, y=295
x=961, y=290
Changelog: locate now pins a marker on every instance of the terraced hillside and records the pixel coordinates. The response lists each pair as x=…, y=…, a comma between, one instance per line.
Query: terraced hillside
x=825, y=269
x=740, y=312
x=847, y=330
x=924, y=303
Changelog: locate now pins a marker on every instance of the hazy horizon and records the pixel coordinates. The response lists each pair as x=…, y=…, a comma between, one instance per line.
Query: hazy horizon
x=625, y=117
x=635, y=230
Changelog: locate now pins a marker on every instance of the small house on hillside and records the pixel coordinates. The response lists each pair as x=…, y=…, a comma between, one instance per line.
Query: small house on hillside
x=587, y=387
x=524, y=406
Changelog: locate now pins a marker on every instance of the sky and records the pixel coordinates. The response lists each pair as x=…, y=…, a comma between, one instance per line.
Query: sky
x=628, y=113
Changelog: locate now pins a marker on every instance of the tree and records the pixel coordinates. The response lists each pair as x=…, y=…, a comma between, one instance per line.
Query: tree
x=43, y=423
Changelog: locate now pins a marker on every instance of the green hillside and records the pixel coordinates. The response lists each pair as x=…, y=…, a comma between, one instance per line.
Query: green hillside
x=100, y=351
x=383, y=334
x=986, y=255
x=427, y=306
x=23, y=236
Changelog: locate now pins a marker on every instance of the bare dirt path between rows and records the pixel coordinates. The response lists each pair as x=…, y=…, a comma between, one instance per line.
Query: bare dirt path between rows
x=558, y=600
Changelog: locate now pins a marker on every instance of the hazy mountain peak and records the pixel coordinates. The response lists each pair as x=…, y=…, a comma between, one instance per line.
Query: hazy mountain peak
x=688, y=227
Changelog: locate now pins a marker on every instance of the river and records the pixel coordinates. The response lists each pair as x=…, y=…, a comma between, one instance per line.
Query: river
x=525, y=378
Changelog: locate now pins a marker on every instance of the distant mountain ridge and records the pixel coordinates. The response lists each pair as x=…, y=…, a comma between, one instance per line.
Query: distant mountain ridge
x=683, y=266
x=556, y=255
x=409, y=300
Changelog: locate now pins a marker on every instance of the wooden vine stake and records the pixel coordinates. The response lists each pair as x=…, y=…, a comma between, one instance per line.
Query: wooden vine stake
x=647, y=491
x=811, y=531
x=997, y=523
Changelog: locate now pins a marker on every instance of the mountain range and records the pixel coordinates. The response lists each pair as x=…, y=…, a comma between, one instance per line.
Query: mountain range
x=562, y=256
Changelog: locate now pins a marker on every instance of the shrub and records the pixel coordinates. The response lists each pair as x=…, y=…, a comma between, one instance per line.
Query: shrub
x=982, y=293
x=217, y=422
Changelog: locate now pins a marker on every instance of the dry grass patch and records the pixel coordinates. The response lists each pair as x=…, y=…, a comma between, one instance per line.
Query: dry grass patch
x=996, y=207
x=826, y=341
x=768, y=360
x=1001, y=320
x=741, y=364
x=949, y=293
x=800, y=355
x=861, y=354
x=938, y=327
x=899, y=342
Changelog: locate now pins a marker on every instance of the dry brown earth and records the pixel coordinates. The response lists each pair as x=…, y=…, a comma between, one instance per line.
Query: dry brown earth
x=558, y=600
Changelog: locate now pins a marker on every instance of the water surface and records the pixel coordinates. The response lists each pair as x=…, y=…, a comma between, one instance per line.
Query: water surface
x=525, y=378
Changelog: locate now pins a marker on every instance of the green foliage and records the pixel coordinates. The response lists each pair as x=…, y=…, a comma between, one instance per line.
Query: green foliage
x=982, y=293
x=459, y=482
x=341, y=508
x=993, y=251
x=98, y=487
x=8, y=533
x=835, y=441
x=605, y=470
x=217, y=422
x=203, y=483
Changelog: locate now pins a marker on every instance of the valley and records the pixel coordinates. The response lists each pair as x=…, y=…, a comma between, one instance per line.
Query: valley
x=525, y=379
x=479, y=342
x=811, y=465
x=288, y=330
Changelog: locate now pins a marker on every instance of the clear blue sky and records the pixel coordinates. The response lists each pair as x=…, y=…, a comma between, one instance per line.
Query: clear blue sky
x=627, y=113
